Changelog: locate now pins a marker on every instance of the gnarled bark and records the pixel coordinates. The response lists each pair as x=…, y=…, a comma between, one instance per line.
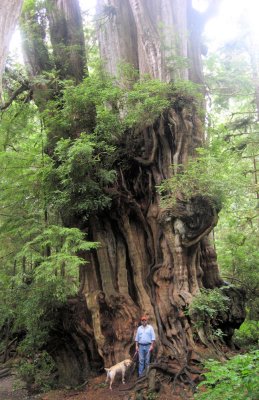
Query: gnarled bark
x=151, y=260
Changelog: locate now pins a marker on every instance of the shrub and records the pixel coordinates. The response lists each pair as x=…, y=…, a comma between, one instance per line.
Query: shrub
x=37, y=372
x=247, y=335
x=206, y=308
x=235, y=379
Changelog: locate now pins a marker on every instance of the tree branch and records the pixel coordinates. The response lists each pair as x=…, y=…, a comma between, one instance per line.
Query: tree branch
x=24, y=86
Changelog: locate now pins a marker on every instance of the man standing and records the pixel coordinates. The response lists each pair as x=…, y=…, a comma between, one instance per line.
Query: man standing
x=145, y=339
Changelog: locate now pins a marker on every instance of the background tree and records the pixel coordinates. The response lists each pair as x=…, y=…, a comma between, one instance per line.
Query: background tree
x=9, y=15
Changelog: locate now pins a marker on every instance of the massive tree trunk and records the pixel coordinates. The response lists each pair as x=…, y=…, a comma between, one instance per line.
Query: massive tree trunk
x=9, y=15
x=151, y=260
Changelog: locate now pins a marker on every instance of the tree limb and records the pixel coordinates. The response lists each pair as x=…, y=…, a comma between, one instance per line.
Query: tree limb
x=24, y=86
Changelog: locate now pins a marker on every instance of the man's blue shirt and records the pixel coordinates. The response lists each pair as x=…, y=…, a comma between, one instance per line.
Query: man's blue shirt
x=145, y=334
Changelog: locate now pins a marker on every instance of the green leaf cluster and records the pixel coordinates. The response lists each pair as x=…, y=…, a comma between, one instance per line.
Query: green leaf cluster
x=45, y=274
x=235, y=379
x=247, y=336
x=145, y=102
x=206, y=306
x=215, y=173
x=208, y=303
x=37, y=371
x=78, y=180
x=99, y=105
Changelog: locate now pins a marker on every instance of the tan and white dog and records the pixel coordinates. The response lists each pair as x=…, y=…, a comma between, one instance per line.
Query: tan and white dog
x=120, y=367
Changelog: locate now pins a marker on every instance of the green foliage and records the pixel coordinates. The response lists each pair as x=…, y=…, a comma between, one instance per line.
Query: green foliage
x=127, y=75
x=80, y=177
x=227, y=76
x=186, y=92
x=151, y=395
x=235, y=379
x=149, y=98
x=109, y=108
x=98, y=105
x=247, y=336
x=81, y=107
x=64, y=244
x=237, y=244
x=46, y=273
x=233, y=120
x=208, y=305
x=145, y=102
x=28, y=5
x=214, y=174
x=39, y=259
x=37, y=371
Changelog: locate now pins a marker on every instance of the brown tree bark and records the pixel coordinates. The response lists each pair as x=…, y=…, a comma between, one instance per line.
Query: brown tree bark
x=67, y=38
x=146, y=34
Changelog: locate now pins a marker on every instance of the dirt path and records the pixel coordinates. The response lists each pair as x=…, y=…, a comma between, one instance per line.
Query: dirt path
x=96, y=389
x=7, y=390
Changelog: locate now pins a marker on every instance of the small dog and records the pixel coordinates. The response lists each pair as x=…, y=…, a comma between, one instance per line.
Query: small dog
x=120, y=367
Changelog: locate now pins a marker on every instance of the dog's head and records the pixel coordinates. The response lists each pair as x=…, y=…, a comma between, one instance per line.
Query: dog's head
x=127, y=362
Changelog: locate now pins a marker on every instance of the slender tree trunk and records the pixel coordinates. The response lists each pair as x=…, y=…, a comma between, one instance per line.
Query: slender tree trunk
x=9, y=15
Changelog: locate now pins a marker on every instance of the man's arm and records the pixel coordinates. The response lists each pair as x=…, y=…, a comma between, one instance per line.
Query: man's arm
x=152, y=345
x=153, y=338
x=136, y=340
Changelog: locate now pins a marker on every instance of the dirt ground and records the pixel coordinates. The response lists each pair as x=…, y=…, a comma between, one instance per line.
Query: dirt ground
x=96, y=389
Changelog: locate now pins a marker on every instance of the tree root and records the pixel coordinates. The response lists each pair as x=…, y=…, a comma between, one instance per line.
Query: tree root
x=167, y=373
x=5, y=372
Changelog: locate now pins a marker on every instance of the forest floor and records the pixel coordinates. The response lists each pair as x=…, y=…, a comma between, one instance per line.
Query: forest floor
x=96, y=389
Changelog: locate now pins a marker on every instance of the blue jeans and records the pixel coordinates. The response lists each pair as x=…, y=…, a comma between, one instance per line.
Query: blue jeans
x=144, y=358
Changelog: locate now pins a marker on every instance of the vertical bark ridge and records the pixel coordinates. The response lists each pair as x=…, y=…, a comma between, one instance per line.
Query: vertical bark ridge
x=66, y=33
x=115, y=22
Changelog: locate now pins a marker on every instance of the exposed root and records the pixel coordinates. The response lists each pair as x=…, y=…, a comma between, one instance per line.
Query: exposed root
x=168, y=373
